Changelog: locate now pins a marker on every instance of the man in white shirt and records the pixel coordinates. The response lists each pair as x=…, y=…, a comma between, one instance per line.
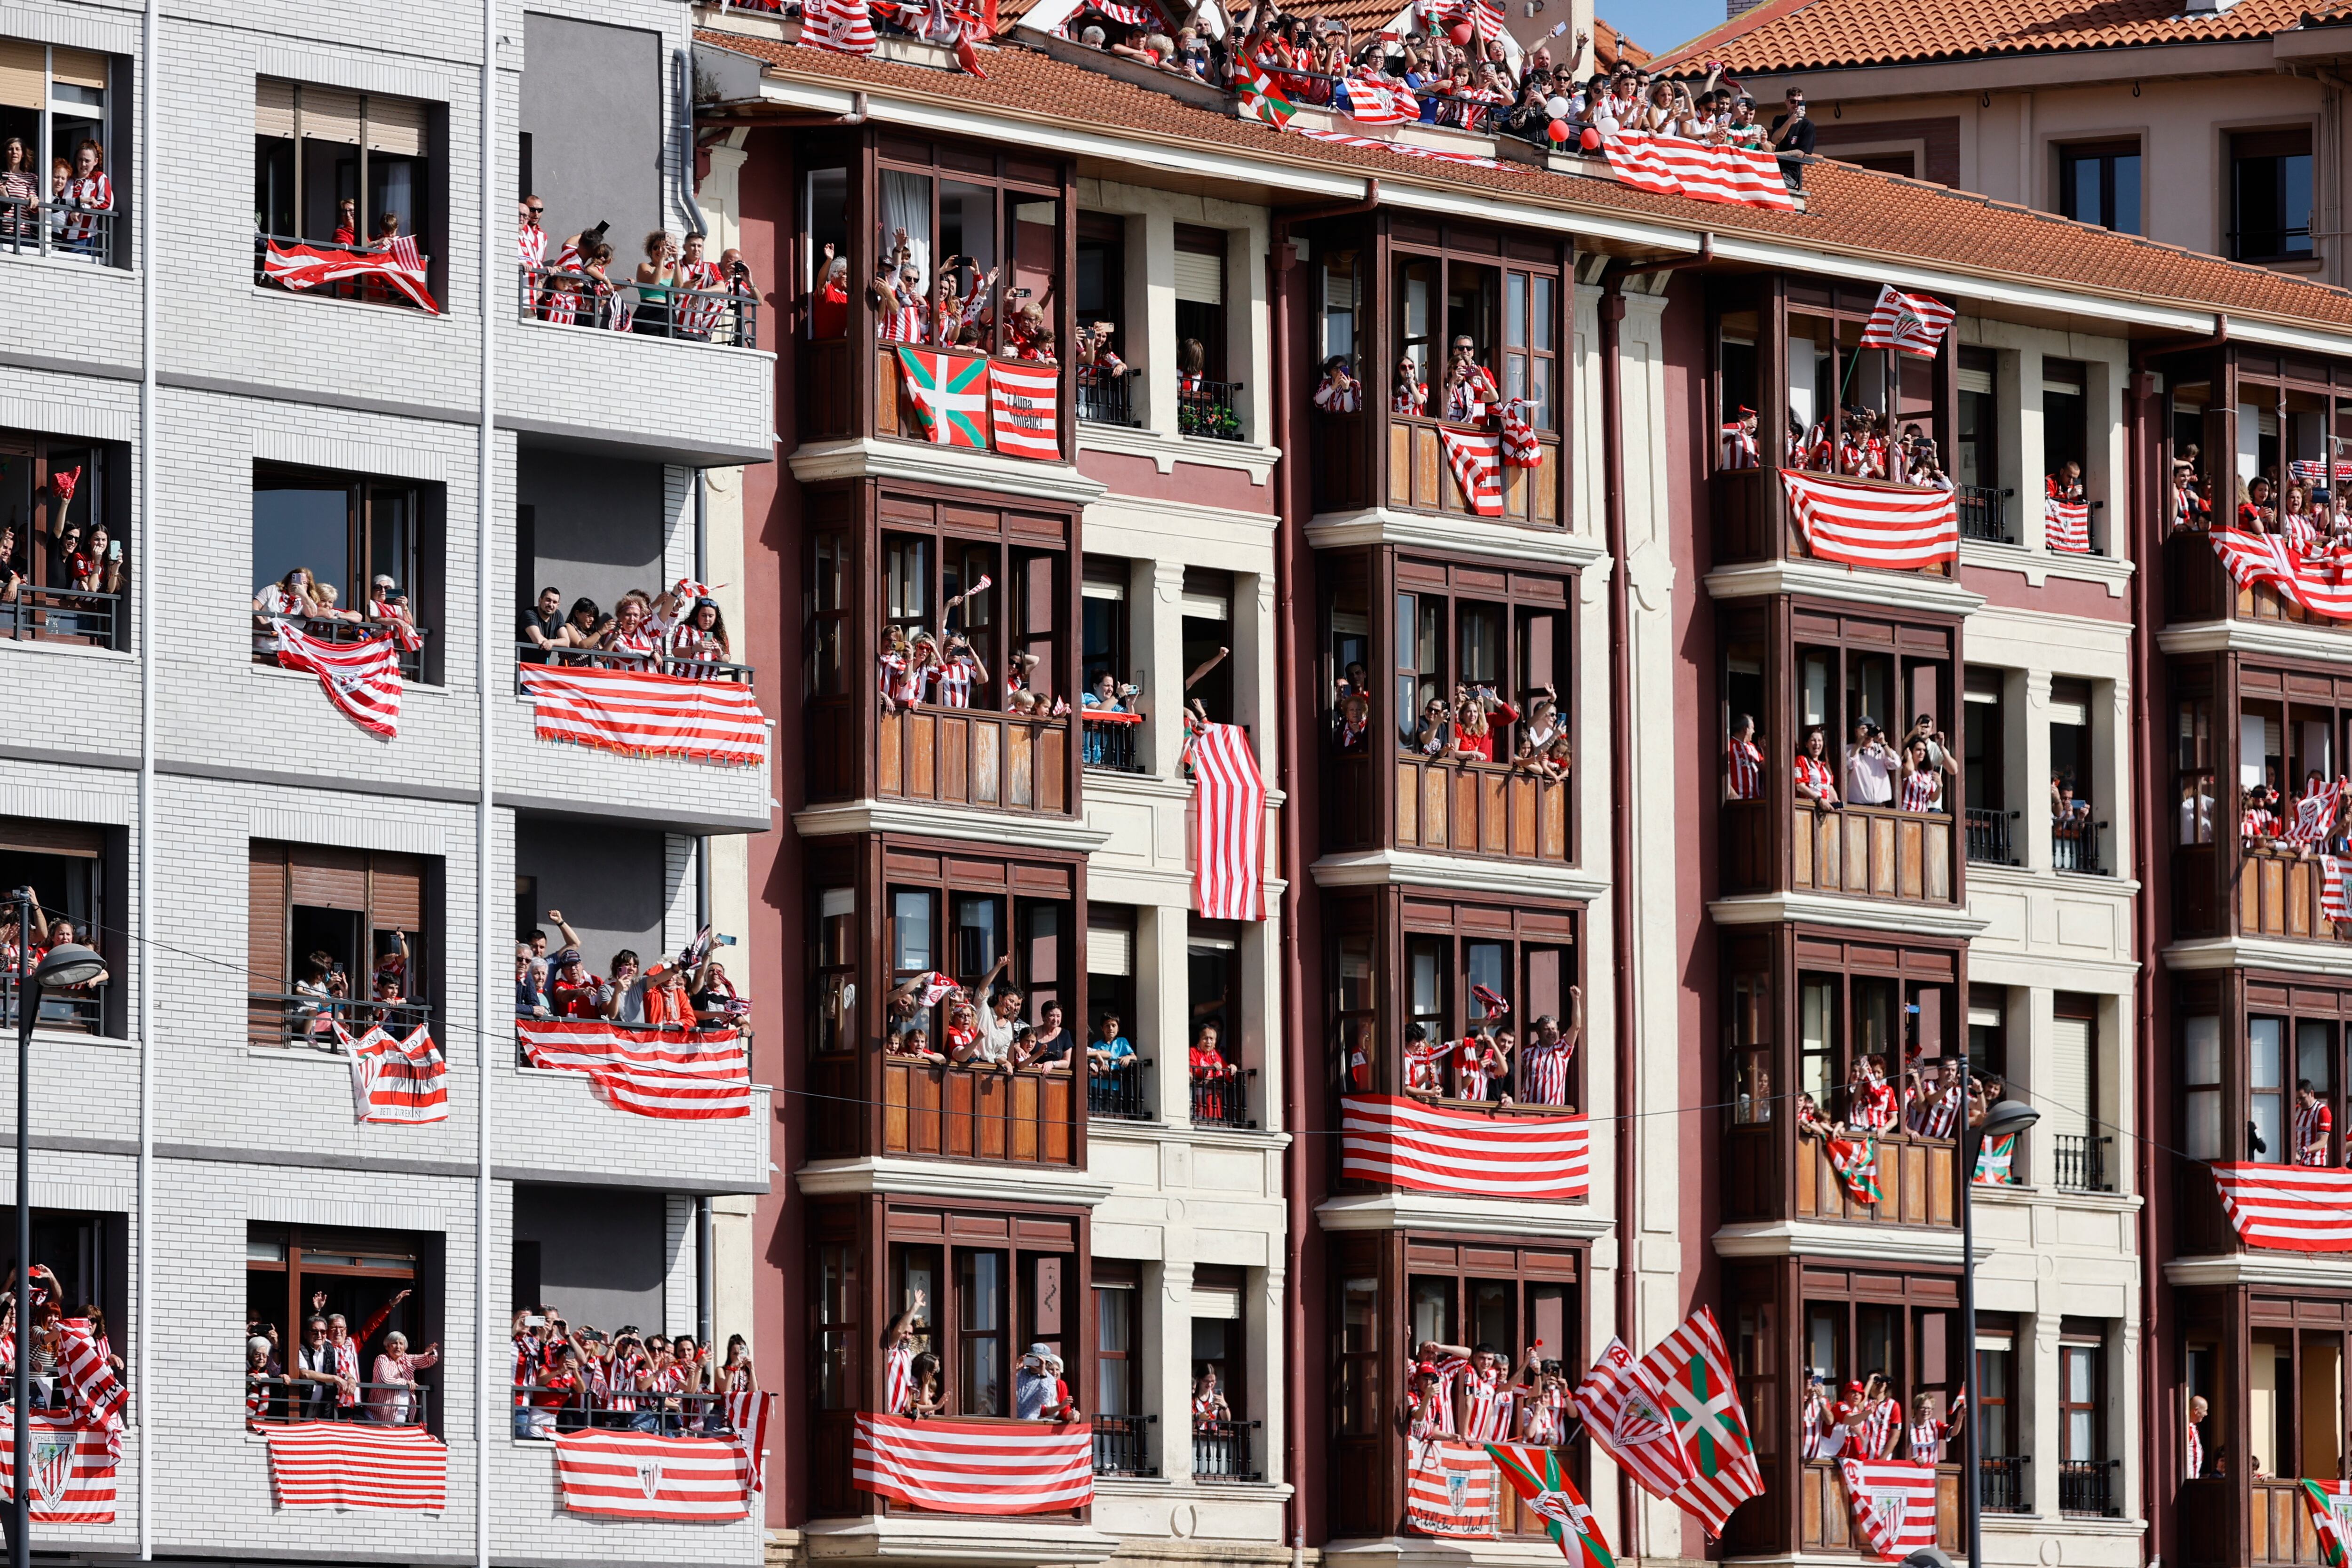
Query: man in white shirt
x=1870, y=765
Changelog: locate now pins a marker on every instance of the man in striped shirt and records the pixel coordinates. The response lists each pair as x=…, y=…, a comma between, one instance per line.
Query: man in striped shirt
x=1743, y=765
x=2313, y=1124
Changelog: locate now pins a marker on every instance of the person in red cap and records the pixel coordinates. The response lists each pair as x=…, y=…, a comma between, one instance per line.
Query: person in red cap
x=1739, y=448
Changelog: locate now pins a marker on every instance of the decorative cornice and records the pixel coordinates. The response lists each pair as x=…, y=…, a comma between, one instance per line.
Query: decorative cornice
x=1815, y=580
x=952, y=1179
x=1856, y=1242
x=1474, y=1217
x=2038, y=567
x=1458, y=873
x=919, y=1538
x=1454, y=535
x=2314, y=1269
x=868, y=458
x=948, y=822
x=1883, y=915
x=1166, y=451
x=2332, y=959
x=2282, y=639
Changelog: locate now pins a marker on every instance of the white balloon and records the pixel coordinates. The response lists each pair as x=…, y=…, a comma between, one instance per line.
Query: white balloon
x=1557, y=107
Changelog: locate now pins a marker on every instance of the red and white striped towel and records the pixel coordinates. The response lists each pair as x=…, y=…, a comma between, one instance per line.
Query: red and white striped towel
x=635, y=1475
x=2334, y=903
x=1874, y=525
x=970, y=1467
x=2294, y=1208
x=73, y=1473
x=1894, y=1504
x=1907, y=323
x=1023, y=409
x=1477, y=464
x=362, y=678
x=1228, y=827
x=666, y=1074
x=2066, y=525
x=397, y=1082
x=1675, y=166
x=2320, y=585
x=353, y=1464
x=641, y=714
x=1428, y=1148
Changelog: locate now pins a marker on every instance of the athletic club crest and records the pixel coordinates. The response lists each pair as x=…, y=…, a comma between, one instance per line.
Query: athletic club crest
x=52, y=1468
x=649, y=1476
x=1457, y=1491
x=1891, y=1507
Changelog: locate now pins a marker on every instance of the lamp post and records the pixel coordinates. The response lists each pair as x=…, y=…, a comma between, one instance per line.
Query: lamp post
x=66, y=965
x=2005, y=1118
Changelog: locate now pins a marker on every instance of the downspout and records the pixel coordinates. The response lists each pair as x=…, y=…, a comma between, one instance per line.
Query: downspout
x=1281, y=260
x=2154, y=1414
x=686, y=200
x=704, y=1274
x=150, y=38
x=1612, y=315
x=487, y=1398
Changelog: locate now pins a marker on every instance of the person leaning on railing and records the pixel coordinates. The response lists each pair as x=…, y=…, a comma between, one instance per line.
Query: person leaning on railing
x=392, y=1399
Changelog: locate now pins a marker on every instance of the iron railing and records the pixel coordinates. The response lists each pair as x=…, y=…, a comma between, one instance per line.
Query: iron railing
x=2091, y=1487
x=50, y=613
x=1107, y=397
x=1989, y=837
x=540, y=1412
x=264, y=639
x=2083, y=1163
x=1119, y=1446
x=1221, y=1451
x=277, y=1400
x=304, y=1018
x=372, y=289
x=1205, y=409
x=30, y=228
x=2077, y=848
x=560, y=298
x=1109, y=740
x=605, y=658
x=1223, y=1100
x=1118, y=1092
x=2005, y=1483
x=1984, y=512
x=82, y=1009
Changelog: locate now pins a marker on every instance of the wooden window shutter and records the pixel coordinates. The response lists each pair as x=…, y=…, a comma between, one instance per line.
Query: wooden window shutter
x=265, y=910
x=328, y=879
x=52, y=837
x=396, y=893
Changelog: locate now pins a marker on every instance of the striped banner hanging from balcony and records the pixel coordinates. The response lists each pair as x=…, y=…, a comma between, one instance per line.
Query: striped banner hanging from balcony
x=637, y=1475
x=2322, y=587
x=1407, y=1143
x=965, y=1466
x=1894, y=1504
x=1228, y=825
x=1449, y=1489
x=1672, y=167
x=397, y=1082
x=352, y=1464
x=299, y=267
x=73, y=1473
x=361, y=678
x=1477, y=464
x=1874, y=525
x=669, y=1074
x=1023, y=409
x=640, y=714
x=2291, y=1208
x=2066, y=525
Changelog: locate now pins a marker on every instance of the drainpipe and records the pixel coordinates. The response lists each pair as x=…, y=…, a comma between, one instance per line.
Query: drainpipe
x=1281, y=261
x=489, y=1394
x=705, y=1271
x=1611, y=313
x=143, y=1333
x=686, y=202
x=2155, y=1416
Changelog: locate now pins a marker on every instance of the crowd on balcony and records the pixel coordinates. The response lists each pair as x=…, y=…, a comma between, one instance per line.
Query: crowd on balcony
x=1861, y=444
x=958, y=310
x=569, y=1378
x=300, y=597
x=1913, y=776
x=1478, y=724
x=323, y=1001
x=2315, y=822
x=79, y=189
x=1866, y=1421
x=329, y=1376
x=984, y=1029
x=1926, y=1103
x=914, y=1385
x=1468, y=1392
x=2300, y=506
x=676, y=291
x=688, y=992
x=82, y=559
x=1490, y=1064
x=679, y=631
x=916, y=669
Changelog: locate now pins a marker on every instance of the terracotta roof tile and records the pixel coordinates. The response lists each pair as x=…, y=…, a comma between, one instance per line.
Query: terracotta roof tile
x=1813, y=35
x=1610, y=46
x=1850, y=211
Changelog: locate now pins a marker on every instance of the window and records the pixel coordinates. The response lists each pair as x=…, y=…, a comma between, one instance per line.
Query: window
x=1976, y=451
x=1103, y=634
x=964, y=935
x=1527, y=957
x=2295, y=1398
x=1845, y=1021
x=989, y=1298
x=2065, y=417
x=1910, y=1346
x=2082, y=1405
x=976, y=212
x=1995, y=1396
x=833, y=1343
x=1828, y=369
x=65, y=531
x=2193, y=767
x=73, y=879
x=2200, y=1080
x=1494, y=1299
x=837, y=958
x=825, y=214
x=1102, y=279
x=1222, y=1447
x=55, y=101
x=1740, y=386
x=1509, y=315
x=1530, y=340
x=1356, y=1391
x=1208, y=631
x=2098, y=183
x=1342, y=301
x=1009, y=608
x=1200, y=262
x=2270, y=195
x=362, y=1273
x=1119, y=1364
x=336, y=936
x=1890, y=675
x=1507, y=634
x=332, y=167
x=346, y=533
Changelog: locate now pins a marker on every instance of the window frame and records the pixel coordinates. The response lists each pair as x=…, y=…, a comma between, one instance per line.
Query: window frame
x=2278, y=147
x=418, y=573
x=1519, y=598
x=1487, y=337
x=2104, y=154
x=287, y=861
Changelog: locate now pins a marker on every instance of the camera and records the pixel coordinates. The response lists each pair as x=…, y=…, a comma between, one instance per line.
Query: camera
x=1130, y=689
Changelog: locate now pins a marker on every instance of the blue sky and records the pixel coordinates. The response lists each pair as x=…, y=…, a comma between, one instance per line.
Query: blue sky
x=1659, y=25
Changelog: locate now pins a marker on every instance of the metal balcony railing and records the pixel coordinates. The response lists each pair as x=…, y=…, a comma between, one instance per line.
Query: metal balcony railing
x=276, y=1400
x=2078, y=848
x=2083, y=1163
x=2091, y=1489
x=1119, y=1446
x=1223, y=1100
x=1107, y=397
x=265, y=640
x=28, y=229
x=306, y=1018
x=1110, y=740
x=1205, y=409
x=2006, y=1482
x=1117, y=1093
x=1984, y=512
x=726, y=316
x=57, y=614
x=604, y=658
x=1989, y=837
x=540, y=1412
x=82, y=1009
x=1221, y=1451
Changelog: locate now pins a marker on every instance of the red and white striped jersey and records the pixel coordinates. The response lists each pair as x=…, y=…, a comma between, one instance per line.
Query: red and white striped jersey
x=1488, y=1419
x=1410, y=397
x=1421, y=1067
x=1743, y=768
x=1825, y=1431
x=1880, y=1422
x=1814, y=772
x=1547, y=1418
x=2256, y=823
x=1936, y=1116
x=1441, y=1418
x=901, y=1371
x=1873, y=1110
x=91, y=192
x=1921, y=789
x=903, y=321
x=1739, y=447
x=2196, y=1456
x=347, y=1367
x=2313, y=1124
x=954, y=681
x=1928, y=1440
x=1466, y=400
x=530, y=246
x=1544, y=1069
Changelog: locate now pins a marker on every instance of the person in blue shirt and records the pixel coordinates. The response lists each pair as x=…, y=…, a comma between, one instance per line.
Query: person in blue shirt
x=1108, y=1052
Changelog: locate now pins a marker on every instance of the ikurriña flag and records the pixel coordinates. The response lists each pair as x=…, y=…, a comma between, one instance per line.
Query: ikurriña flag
x=356, y=1464
x=970, y=1467
x=1693, y=1365
x=1543, y=1485
x=2330, y=1505
x=949, y=393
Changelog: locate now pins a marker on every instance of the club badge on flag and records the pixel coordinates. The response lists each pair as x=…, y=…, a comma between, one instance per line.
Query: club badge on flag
x=2291, y=1208
x=355, y=1464
x=845, y=27
x=637, y=1475
x=1907, y=323
x=397, y=1082
x=1624, y=1412
x=1409, y=1143
x=2066, y=525
x=665, y=1073
x=361, y=678
x=2330, y=1506
x=1476, y=463
x=1450, y=1490
x=970, y=1466
x=640, y=714
x=1693, y=1365
x=72, y=1474
x=1023, y=409
x=1535, y=1474
x=949, y=393
x=1874, y=525
x=1893, y=1503
x=1228, y=825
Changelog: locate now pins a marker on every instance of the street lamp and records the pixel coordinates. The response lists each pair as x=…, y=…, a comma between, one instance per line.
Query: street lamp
x=2005, y=1118
x=66, y=965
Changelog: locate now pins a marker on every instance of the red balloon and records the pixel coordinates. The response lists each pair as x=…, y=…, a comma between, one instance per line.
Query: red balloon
x=1459, y=32
x=1557, y=129
x=1590, y=141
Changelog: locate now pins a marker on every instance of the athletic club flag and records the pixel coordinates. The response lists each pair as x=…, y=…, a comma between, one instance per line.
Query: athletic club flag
x=845, y=27
x=1228, y=827
x=73, y=1473
x=1907, y=323
x=362, y=678
x=665, y=1073
x=98, y=1399
x=635, y=1475
x=1694, y=1366
x=965, y=1466
x=1477, y=464
x=1536, y=1475
x=1024, y=408
x=1675, y=166
x=2322, y=587
x=1449, y=1489
x=1625, y=1415
x=951, y=396
x=1874, y=525
x=1375, y=98
x=1410, y=1143
x=640, y=714
x=1894, y=1504
x=2294, y=1208
x=299, y=267
x=355, y=1464
x=397, y=1082
x=2334, y=904
x=2330, y=1503
x=746, y=1416
x=2066, y=525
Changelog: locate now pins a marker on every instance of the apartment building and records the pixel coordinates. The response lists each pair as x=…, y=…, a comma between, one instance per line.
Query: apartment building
x=214, y=824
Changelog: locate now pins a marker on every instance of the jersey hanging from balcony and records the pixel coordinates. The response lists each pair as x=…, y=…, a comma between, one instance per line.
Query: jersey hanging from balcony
x=2320, y=584
x=1228, y=825
x=397, y=1082
x=970, y=1466
x=2291, y=1208
x=362, y=678
x=1894, y=1504
x=951, y=396
x=1874, y=525
x=1407, y=1143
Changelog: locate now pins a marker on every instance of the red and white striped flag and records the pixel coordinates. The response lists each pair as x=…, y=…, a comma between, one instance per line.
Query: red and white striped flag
x=1228, y=827
x=845, y=27
x=356, y=1464
x=641, y=714
x=401, y=250
x=1477, y=464
x=677, y=1077
x=1694, y=1366
x=1675, y=166
x=1624, y=1412
x=1375, y=99
x=1427, y=1148
x=299, y=267
x=748, y=1415
x=96, y=1398
x=397, y=1082
x=362, y=678
x=1874, y=525
x=2322, y=588
x=1410, y=149
x=964, y=1466
x=73, y=1473
x=1449, y=1489
x=2295, y=1208
x=635, y=1475
x=1521, y=449
x=1024, y=410
x=1907, y=323
x=1894, y=1504
x=2334, y=903
x=2066, y=525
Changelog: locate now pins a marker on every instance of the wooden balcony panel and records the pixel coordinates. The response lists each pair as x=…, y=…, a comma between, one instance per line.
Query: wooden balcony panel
x=1481, y=808
x=1825, y=1510
x=1408, y=805
x=1915, y=1184
x=960, y=1113
x=1400, y=464
x=1951, y=1526
x=1021, y=785
x=1435, y=818
x=1871, y=852
x=975, y=757
x=1430, y=479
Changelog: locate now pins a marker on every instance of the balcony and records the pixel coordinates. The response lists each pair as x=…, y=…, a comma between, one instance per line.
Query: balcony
x=74, y=233
x=1481, y=808
x=1825, y=1511
x=1107, y=399
x=2198, y=589
x=280, y=1401
x=311, y=1020
x=2084, y=1163
x=541, y=1414
x=1226, y=1102
x=1111, y=741
x=356, y=272
x=1984, y=513
x=2283, y=894
x=724, y=316
x=1754, y=523
x=1867, y=850
x=1206, y=410
x=59, y=615
x=1118, y=1095
x=341, y=634
x=1120, y=1448
x=2093, y=1488
x=543, y=767
x=1221, y=1452
x=2080, y=847
x=1419, y=477
x=895, y=412
x=1916, y=1183
x=1989, y=837
x=969, y=756
x=2005, y=1482
x=954, y=1112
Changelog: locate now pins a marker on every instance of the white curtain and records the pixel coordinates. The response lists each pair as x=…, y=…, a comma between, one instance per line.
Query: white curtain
x=906, y=204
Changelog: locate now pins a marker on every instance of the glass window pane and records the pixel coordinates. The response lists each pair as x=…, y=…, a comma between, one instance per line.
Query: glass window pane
x=2265, y=1040
x=910, y=917
x=1486, y=967
x=1540, y=393
x=1515, y=311
x=2125, y=216
x=2314, y=1043
x=1407, y=619
x=2204, y=1050
x=2084, y=190
x=980, y=1296
x=304, y=526
x=2205, y=1124
x=1542, y=328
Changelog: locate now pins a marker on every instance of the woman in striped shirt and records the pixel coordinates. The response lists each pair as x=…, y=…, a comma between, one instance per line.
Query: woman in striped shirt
x=1922, y=781
x=1815, y=780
